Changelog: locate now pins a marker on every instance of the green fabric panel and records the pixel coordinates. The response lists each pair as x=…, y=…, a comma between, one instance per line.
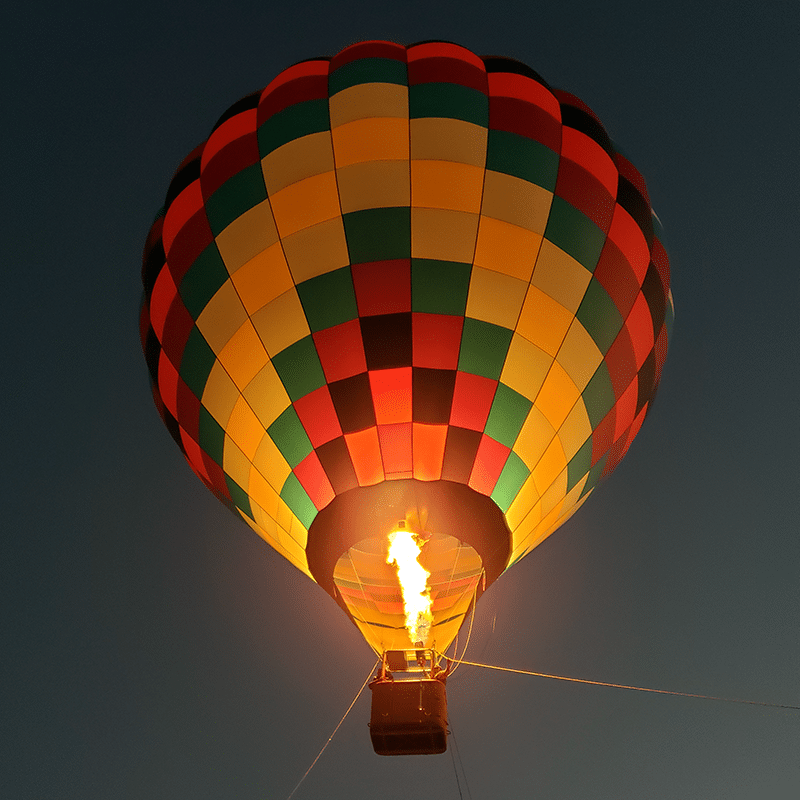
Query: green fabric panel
x=598, y=396
x=293, y=122
x=328, y=299
x=211, y=436
x=237, y=195
x=508, y=413
x=378, y=234
x=196, y=363
x=299, y=369
x=600, y=316
x=579, y=464
x=367, y=70
x=239, y=497
x=290, y=437
x=483, y=348
x=296, y=497
x=448, y=100
x=202, y=280
x=595, y=473
x=439, y=287
x=574, y=233
x=514, y=474
x=523, y=158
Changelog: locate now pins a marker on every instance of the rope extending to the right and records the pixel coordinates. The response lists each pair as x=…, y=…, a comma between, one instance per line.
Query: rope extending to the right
x=626, y=686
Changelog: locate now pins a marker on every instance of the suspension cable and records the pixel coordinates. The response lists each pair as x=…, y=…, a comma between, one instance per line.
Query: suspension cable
x=625, y=686
x=349, y=708
x=461, y=763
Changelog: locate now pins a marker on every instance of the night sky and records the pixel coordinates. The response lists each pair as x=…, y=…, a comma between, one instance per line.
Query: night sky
x=154, y=647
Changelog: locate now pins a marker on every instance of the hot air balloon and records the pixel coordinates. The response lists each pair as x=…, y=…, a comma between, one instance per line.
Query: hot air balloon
x=405, y=289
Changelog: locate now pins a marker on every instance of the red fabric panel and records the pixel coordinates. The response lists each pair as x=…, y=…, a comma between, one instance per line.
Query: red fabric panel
x=372, y=49
x=382, y=287
x=489, y=463
x=617, y=277
x=168, y=384
x=626, y=410
x=525, y=119
x=395, y=441
x=318, y=416
x=314, y=480
x=584, y=191
x=640, y=325
x=365, y=453
x=431, y=50
x=428, y=449
x=306, y=81
x=511, y=84
x=436, y=339
x=341, y=351
x=621, y=362
x=472, y=401
x=164, y=293
x=628, y=236
x=391, y=395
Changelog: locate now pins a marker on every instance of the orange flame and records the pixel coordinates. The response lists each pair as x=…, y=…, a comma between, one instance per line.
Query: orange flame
x=405, y=548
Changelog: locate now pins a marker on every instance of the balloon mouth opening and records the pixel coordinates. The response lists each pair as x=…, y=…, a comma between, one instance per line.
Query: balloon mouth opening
x=370, y=587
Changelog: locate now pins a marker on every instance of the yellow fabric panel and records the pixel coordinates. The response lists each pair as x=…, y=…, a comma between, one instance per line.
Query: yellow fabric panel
x=244, y=355
x=552, y=507
x=517, y=201
x=525, y=368
x=575, y=430
x=535, y=530
x=544, y=321
x=235, y=463
x=526, y=499
x=549, y=468
x=561, y=276
x=274, y=468
x=280, y=323
x=316, y=250
x=222, y=317
x=248, y=235
x=579, y=355
x=245, y=429
x=262, y=494
x=384, y=139
x=427, y=241
x=495, y=298
x=448, y=140
x=521, y=535
x=306, y=203
x=267, y=395
x=573, y=497
x=534, y=438
x=507, y=248
x=297, y=531
x=297, y=160
x=220, y=394
x=368, y=100
x=278, y=540
x=374, y=184
x=557, y=396
x=262, y=278
x=445, y=184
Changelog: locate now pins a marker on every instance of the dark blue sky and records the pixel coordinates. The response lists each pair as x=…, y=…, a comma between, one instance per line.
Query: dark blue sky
x=154, y=647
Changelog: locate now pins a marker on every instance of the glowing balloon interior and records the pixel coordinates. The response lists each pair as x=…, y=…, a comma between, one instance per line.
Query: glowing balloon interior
x=405, y=283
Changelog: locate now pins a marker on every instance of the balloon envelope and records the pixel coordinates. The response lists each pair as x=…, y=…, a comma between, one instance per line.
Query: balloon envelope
x=405, y=283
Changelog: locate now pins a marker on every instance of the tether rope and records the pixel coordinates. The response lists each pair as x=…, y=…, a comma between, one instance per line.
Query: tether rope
x=349, y=708
x=625, y=686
